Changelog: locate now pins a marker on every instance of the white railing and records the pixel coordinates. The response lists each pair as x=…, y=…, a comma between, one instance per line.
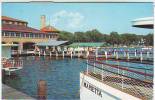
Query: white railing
x=12, y=63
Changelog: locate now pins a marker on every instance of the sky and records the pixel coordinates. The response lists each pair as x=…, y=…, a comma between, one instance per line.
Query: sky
x=75, y=17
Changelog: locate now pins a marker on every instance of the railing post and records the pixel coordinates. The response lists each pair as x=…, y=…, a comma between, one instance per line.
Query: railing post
x=94, y=67
x=102, y=72
x=87, y=66
x=123, y=80
x=148, y=54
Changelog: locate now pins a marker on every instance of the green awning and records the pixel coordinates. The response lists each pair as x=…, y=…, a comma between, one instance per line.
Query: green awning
x=89, y=44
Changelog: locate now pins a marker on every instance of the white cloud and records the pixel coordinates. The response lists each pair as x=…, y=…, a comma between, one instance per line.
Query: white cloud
x=68, y=19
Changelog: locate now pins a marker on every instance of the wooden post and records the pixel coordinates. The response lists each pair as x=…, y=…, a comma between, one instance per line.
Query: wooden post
x=42, y=90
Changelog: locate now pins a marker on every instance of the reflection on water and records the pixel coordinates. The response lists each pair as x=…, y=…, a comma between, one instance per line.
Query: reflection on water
x=61, y=75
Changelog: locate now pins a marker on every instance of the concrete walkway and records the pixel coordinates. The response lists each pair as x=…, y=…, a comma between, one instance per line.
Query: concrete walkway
x=11, y=93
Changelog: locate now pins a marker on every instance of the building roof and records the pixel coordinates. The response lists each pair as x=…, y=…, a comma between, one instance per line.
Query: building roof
x=19, y=28
x=49, y=29
x=12, y=19
x=51, y=43
x=146, y=22
x=87, y=44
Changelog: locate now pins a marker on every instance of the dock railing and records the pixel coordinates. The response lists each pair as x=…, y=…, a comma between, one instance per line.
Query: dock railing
x=130, y=80
x=11, y=63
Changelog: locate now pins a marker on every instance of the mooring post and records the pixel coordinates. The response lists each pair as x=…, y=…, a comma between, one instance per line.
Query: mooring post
x=44, y=53
x=63, y=54
x=56, y=54
x=39, y=53
x=106, y=56
x=148, y=54
x=50, y=53
x=116, y=55
x=141, y=56
x=71, y=54
x=128, y=56
x=124, y=53
x=135, y=52
x=42, y=90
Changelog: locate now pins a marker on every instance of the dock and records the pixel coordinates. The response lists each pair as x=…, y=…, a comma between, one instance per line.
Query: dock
x=11, y=93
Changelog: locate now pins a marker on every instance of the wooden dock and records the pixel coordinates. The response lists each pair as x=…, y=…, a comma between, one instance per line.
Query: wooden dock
x=11, y=93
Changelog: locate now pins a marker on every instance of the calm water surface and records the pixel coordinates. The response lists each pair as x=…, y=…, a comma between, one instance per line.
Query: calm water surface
x=61, y=75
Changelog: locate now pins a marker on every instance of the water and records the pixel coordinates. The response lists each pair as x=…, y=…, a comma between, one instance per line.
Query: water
x=61, y=75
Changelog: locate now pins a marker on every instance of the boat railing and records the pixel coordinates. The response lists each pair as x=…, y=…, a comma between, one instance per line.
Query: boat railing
x=11, y=63
x=130, y=80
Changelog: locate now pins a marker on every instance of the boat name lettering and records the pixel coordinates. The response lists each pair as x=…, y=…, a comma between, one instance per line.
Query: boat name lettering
x=93, y=89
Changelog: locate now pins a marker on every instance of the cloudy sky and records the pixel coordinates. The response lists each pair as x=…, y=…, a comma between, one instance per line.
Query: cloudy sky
x=106, y=17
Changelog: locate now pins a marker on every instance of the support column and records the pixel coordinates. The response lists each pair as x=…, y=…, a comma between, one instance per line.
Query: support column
x=20, y=48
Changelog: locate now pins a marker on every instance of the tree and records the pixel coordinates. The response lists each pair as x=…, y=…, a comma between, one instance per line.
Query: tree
x=63, y=35
x=149, y=39
x=114, y=38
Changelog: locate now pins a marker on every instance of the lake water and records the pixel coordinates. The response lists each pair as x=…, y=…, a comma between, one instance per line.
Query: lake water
x=61, y=75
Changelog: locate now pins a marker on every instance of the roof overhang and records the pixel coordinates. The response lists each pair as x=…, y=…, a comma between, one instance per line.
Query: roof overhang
x=143, y=23
x=9, y=45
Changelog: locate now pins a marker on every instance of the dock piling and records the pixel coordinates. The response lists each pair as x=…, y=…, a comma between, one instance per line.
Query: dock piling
x=42, y=89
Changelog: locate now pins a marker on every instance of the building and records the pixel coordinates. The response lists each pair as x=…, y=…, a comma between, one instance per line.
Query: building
x=15, y=31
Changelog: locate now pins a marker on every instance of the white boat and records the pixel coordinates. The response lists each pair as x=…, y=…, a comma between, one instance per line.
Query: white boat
x=8, y=64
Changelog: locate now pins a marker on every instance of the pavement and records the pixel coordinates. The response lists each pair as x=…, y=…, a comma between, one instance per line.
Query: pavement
x=11, y=93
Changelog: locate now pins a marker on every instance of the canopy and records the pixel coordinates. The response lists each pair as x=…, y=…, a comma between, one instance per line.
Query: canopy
x=143, y=23
x=51, y=43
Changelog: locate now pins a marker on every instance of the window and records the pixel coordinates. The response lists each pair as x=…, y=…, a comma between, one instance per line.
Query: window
x=31, y=35
x=16, y=23
x=6, y=33
x=36, y=35
x=3, y=33
x=12, y=34
x=23, y=34
x=27, y=34
x=17, y=35
x=10, y=22
x=4, y=22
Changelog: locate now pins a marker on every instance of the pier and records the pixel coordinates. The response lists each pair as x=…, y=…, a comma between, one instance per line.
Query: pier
x=11, y=93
